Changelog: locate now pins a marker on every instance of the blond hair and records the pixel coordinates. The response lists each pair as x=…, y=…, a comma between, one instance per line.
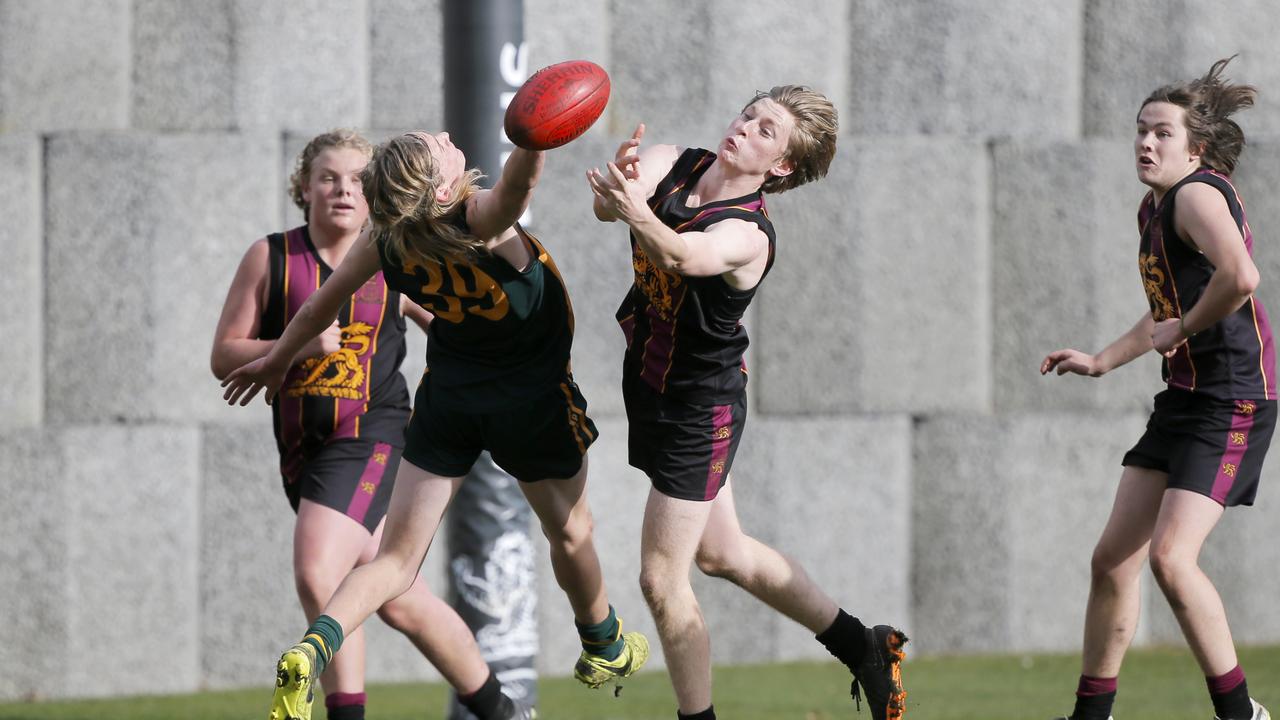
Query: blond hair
x=813, y=139
x=400, y=184
x=339, y=138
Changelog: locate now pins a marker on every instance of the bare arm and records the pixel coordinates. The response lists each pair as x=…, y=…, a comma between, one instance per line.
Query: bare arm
x=318, y=312
x=1133, y=344
x=415, y=312
x=1203, y=216
x=726, y=247
x=235, y=341
x=492, y=212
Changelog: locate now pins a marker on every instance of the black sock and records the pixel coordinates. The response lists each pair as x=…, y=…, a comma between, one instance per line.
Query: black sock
x=1093, y=707
x=347, y=712
x=708, y=714
x=846, y=639
x=1233, y=704
x=487, y=702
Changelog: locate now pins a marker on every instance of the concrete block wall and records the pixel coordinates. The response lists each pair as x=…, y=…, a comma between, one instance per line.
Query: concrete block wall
x=902, y=446
x=1006, y=510
x=22, y=356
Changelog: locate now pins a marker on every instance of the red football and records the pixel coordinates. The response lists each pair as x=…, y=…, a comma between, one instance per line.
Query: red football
x=557, y=104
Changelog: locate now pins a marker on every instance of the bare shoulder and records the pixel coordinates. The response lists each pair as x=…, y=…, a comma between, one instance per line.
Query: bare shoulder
x=1196, y=198
x=1202, y=215
x=257, y=256
x=661, y=155
x=739, y=230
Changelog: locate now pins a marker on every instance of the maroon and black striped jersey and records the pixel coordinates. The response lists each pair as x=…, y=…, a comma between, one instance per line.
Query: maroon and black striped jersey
x=1234, y=359
x=685, y=337
x=356, y=392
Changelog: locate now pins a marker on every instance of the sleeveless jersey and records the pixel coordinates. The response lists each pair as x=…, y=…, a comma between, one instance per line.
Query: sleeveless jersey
x=356, y=392
x=500, y=335
x=684, y=334
x=1234, y=359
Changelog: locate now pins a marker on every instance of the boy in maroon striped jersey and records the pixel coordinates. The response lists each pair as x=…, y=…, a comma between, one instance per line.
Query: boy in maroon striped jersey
x=1206, y=439
x=701, y=244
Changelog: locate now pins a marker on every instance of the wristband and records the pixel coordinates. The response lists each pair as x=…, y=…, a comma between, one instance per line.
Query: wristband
x=1183, y=329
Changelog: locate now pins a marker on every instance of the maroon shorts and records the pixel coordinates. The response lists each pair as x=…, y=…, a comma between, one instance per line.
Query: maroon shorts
x=685, y=449
x=1207, y=445
x=353, y=476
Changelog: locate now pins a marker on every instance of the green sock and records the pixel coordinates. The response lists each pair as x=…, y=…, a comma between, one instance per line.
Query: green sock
x=603, y=638
x=325, y=635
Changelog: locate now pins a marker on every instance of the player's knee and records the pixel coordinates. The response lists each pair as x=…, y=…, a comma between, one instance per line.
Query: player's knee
x=315, y=585
x=391, y=572
x=1107, y=566
x=399, y=614
x=572, y=534
x=1169, y=568
x=719, y=563
x=654, y=585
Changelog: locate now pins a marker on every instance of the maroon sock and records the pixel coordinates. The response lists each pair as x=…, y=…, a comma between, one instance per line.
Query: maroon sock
x=345, y=706
x=1094, y=698
x=1230, y=695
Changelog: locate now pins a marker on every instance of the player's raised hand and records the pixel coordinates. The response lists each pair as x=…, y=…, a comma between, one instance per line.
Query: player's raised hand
x=620, y=196
x=628, y=158
x=1070, y=361
x=245, y=382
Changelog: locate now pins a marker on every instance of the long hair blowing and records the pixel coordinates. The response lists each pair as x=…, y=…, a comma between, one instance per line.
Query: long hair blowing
x=400, y=184
x=1208, y=103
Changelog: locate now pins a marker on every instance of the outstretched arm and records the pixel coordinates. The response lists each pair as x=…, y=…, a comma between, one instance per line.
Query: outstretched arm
x=722, y=248
x=1133, y=344
x=491, y=212
x=317, y=313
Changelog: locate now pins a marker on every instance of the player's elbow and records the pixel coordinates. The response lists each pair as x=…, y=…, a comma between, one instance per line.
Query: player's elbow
x=672, y=263
x=1247, y=280
x=220, y=367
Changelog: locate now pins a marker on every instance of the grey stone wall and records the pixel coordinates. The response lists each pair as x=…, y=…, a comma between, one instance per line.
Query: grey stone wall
x=980, y=213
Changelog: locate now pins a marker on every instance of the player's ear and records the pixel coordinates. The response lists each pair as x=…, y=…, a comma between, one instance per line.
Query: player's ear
x=443, y=193
x=782, y=168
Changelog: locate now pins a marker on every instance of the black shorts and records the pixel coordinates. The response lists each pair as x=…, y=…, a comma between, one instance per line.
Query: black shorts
x=353, y=476
x=545, y=437
x=685, y=449
x=1206, y=445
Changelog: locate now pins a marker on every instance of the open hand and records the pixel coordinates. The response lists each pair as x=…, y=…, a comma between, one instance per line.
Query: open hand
x=1070, y=361
x=628, y=158
x=245, y=382
x=622, y=197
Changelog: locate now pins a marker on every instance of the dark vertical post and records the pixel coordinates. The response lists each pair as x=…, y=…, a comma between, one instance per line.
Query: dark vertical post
x=491, y=564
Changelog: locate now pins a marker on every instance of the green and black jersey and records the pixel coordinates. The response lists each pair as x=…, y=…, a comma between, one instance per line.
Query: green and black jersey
x=500, y=335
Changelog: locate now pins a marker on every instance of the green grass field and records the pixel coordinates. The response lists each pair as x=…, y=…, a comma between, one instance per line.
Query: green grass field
x=1156, y=685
